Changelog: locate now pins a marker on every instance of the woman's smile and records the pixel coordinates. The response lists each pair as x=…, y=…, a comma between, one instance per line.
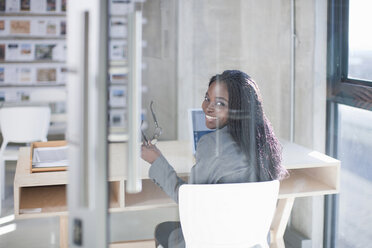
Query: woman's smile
x=211, y=117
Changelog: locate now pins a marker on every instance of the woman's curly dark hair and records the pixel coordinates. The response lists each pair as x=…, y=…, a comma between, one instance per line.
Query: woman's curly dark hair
x=249, y=126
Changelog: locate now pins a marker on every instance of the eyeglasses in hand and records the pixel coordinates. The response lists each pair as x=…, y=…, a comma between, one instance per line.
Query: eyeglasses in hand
x=157, y=131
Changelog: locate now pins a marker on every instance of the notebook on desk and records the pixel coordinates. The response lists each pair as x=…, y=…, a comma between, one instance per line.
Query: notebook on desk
x=197, y=126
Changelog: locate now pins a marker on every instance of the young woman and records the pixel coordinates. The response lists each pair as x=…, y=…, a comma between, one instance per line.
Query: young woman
x=242, y=149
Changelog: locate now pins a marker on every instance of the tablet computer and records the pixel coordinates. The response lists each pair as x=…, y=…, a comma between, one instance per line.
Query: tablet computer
x=197, y=126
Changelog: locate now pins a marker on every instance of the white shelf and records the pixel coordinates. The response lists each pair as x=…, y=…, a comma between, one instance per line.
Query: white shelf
x=151, y=196
x=300, y=184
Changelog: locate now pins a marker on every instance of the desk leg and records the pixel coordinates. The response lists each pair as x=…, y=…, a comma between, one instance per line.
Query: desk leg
x=281, y=217
x=63, y=231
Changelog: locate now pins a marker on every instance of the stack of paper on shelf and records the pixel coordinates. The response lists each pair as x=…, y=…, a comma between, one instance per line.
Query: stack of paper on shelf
x=50, y=157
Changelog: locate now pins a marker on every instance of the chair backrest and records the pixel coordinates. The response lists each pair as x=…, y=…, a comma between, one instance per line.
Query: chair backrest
x=227, y=215
x=23, y=124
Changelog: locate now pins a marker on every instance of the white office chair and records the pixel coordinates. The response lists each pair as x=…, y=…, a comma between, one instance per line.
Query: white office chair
x=227, y=215
x=20, y=124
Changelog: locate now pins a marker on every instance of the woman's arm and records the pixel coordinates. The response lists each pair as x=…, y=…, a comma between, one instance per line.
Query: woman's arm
x=161, y=172
x=163, y=175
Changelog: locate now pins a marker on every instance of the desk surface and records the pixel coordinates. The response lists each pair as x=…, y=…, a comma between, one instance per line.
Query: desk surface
x=311, y=173
x=179, y=155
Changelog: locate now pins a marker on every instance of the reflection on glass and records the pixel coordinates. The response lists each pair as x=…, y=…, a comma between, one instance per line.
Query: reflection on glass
x=355, y=146
x=360, y=40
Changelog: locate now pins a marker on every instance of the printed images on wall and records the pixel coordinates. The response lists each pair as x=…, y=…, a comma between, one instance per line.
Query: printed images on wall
x=63, y=5
x=118, y=27
x=46, y=75
x=2, y=5
x=25, y=5
x=117, y=118
x=117, y=96
x=25, y=75
x=33, y=6
x=32, y=50
x=20, y=27
x=2, y=51
x=2, y=26
x=118, y=50
x=29, y=50
x=32, y=74
x=62, y=28
x=22, y=21
x=2, y=75
x=51, y=5
x=44, y=51
x=32, y=26
x=120, y=7
x=119, y=78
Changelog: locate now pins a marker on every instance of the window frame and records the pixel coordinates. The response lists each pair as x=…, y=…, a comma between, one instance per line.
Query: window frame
x=340, y=90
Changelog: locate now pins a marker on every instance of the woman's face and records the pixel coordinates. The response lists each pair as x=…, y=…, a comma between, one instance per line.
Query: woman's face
x=215, y=105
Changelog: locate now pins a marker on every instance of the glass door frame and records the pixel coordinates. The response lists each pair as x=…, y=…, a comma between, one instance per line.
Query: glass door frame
x=87, y=131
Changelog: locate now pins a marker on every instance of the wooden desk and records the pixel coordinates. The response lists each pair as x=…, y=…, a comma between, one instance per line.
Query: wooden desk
x=44, y=194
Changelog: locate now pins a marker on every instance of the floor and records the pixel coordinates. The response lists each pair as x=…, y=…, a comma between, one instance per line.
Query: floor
x=44, y=232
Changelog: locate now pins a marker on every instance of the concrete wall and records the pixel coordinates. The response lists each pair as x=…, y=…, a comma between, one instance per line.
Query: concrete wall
x=252, y=36
x=159, y=57
x=310, y=110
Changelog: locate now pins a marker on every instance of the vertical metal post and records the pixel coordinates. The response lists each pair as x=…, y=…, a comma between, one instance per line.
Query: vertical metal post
x=101, y=184
x=133, y=183
x=84, y=125
x=292, y=94
x=337, y=18
x=331, y=202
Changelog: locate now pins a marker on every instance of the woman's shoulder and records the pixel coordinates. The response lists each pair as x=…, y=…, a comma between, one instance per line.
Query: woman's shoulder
x=212, y=137
x=220, y=139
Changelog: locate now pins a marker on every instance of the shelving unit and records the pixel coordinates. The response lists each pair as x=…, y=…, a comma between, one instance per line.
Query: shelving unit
x=118, y=70
x=32, y=54
x=26, y=24
x=44, y=194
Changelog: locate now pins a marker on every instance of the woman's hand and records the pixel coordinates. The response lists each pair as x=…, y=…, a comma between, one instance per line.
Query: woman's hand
x=149, y=152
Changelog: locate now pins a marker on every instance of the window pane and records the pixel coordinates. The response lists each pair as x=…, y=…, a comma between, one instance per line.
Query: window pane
x=354, y=151
x=360, y=40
